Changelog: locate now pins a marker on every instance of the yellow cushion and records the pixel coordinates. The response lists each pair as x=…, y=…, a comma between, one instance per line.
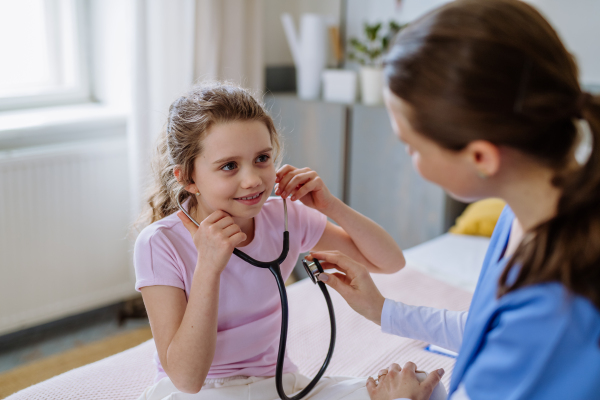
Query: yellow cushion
x=479, y=218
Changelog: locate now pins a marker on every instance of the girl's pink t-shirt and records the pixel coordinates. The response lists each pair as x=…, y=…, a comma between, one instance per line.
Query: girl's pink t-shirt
x=249, y=319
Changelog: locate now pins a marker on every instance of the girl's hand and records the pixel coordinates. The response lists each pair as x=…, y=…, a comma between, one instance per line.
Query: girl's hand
x=355, y=284
x=215, y=239
x=304, y=185
x=395, y=382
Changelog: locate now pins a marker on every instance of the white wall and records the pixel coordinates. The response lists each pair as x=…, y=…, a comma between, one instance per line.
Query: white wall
x=577, y=22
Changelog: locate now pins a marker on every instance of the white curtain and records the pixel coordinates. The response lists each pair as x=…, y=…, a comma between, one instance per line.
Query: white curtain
x=180, y=42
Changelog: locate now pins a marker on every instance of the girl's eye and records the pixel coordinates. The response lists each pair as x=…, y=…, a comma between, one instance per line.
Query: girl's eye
x=262, y=158
x=229, y=166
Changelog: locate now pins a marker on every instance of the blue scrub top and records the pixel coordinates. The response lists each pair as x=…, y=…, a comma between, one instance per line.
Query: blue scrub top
x=537, y=342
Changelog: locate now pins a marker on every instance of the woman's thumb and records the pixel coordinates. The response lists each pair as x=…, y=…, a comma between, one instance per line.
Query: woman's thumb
x=433, y=379
x=332, y=281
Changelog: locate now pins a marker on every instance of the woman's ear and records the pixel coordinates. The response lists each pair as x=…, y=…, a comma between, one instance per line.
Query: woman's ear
x=192, y=188
x=484, y=156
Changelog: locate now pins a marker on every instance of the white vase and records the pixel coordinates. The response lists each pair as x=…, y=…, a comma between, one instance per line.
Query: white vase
x=371, y=85
x=339, y=85
x=309, y=50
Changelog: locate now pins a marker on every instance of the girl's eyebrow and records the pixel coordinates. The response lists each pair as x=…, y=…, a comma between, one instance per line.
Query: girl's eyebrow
x=226, y=159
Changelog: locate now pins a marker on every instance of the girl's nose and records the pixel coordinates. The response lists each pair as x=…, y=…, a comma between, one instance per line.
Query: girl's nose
x=251, y=179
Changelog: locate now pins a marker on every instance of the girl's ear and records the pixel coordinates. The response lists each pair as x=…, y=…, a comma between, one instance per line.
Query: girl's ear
x=192, y=188
x=484, y=156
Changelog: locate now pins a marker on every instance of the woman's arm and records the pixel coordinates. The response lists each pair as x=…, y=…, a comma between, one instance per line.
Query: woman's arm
x=357, y=236
x=441, y=327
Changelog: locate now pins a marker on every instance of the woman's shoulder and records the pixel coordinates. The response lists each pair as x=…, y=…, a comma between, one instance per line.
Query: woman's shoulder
x=551, y=302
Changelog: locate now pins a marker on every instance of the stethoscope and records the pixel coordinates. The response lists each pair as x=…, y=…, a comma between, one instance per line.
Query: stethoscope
x=313, y=269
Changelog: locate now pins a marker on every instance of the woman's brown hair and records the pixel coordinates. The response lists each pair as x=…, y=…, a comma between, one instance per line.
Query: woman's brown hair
x=190, y=118
x=496, y=70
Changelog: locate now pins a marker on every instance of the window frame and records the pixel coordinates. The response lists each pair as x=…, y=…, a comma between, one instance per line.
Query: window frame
x=81, y=92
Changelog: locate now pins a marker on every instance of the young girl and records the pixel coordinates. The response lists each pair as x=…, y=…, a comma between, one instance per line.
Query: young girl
x=216, y=319
x=487, y=100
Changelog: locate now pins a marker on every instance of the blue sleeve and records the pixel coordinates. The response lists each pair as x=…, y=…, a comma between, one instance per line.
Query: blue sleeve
x=520, y=344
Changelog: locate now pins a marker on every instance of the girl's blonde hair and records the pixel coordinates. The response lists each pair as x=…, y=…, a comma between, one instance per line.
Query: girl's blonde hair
x=180, y=142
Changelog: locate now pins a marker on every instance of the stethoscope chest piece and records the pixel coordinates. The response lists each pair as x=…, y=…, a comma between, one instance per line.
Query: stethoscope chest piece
x=313, y=269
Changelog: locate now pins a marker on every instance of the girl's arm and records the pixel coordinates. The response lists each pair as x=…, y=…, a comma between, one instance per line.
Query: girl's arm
x=356, y=236
x=185, y=332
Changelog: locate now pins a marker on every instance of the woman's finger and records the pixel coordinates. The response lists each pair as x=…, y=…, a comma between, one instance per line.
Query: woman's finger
x=371, y=385
x=336, y=283
x=433, y=379
x=341, y=261
x=410, y=366
x=395, y=367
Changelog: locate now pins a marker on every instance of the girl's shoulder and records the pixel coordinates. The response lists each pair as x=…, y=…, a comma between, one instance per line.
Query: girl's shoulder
x=160, y=232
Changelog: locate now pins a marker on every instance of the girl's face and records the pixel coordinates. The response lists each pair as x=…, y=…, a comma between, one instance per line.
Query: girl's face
x=235, y=172
x=455, y=171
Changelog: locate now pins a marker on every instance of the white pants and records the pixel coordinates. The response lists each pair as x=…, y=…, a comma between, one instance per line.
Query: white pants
x=263, y=388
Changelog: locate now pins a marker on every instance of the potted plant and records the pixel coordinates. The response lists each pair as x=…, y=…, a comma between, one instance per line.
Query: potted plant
x=368, y=54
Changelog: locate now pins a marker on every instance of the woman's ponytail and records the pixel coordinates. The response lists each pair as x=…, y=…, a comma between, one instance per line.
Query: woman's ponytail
x=567, y=247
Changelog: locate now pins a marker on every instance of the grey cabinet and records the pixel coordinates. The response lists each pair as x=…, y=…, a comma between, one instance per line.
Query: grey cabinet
x=356, y=153
x=314, y=136
x=383, y=184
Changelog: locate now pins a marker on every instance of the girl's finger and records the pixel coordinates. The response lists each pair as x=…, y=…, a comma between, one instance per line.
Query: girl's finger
x=305, y=189
x=284, y=175
x=237, y=238
x=224, y=223
x=282, y=171
x=231, y=230
x=189, y=225
x=284, y=188
x=215, y=216
x=299, y=180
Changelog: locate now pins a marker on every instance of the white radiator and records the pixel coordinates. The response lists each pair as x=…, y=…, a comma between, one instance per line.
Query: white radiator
x=64, y=216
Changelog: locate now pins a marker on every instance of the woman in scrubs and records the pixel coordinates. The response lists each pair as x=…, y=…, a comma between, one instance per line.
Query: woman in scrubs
x=487, y=100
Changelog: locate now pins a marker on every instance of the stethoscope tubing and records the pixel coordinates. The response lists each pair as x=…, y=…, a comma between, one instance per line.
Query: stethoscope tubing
x=274, y=267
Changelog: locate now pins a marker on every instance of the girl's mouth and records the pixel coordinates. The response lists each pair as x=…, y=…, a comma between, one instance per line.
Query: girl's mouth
x=250, y=200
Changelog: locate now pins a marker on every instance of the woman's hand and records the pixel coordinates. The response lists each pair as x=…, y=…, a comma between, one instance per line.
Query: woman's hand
x=395, y=382
x=304, y=185
x=355, y=284
x=215, y=239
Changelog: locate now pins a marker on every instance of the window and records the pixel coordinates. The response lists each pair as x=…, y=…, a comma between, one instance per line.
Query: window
x=42, y=46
